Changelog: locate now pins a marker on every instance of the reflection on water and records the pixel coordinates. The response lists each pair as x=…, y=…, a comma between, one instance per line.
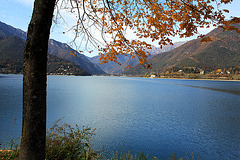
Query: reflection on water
x=157, y=116
x=213, y=89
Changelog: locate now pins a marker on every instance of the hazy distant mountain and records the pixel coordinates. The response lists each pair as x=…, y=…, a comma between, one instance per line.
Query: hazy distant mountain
x=112, y=68
x=11, y=59
x=222, y=52
x=156, y=50
x=55, y=48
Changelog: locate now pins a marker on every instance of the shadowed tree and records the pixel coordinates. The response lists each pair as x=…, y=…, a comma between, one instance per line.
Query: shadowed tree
x=34, y=81
x=112, y=19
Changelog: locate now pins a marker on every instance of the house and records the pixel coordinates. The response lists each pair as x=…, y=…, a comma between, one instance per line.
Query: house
x=219, y=71
x=153, y=76
x=202, y=72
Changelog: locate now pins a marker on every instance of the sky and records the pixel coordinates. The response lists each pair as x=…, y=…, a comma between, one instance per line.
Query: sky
x=17, y=13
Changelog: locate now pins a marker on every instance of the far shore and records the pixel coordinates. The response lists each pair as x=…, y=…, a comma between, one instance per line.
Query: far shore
x=218, y=79
x=234, y=80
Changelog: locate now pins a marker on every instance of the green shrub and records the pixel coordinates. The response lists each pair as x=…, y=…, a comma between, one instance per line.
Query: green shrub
x=66, y=142
x=9, y=154
x=11, y=151
x=63, y=142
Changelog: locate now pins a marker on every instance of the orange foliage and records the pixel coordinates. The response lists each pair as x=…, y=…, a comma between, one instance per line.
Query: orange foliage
x=154, y=19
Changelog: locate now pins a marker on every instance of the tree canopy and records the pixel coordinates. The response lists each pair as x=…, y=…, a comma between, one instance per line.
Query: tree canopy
x=158, y=20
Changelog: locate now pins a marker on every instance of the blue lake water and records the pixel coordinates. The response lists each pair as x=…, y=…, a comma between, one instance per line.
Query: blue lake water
x=158, y=116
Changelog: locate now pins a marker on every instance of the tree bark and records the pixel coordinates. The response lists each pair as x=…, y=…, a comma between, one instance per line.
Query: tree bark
x=34, y=82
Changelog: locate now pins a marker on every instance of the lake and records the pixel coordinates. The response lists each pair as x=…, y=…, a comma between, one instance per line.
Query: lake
x=158, y=116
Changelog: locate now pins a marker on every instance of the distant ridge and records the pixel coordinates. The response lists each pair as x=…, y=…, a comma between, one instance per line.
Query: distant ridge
x=222, y=52
x=55, y=48
x=11, y=59
x=112, y=68
x=8, y=31
x=62, y=50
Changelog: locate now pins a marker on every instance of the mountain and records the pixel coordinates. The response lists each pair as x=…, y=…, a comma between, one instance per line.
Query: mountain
x=157, y=50
x=11, y=59
x=222, y=52
x=56, y=48
x=64, y=51
x=11, y=54
x=11, y=47
x=9, y=31
x=112, y=68
x=62, y=66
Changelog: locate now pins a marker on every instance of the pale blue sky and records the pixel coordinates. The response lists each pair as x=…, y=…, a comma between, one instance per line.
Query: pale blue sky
x=17, y=13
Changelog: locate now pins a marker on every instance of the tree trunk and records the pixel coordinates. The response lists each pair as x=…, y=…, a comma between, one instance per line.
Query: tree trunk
x=34, y=82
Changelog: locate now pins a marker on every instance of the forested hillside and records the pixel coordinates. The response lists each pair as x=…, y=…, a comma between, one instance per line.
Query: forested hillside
x=11, y=59
x=56, y=48
x=223, y=52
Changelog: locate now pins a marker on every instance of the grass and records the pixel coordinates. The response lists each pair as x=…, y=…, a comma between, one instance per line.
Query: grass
x=10, y=152
x=64, y=142
x=67, y=142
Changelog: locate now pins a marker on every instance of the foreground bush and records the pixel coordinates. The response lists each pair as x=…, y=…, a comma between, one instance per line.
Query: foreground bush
x=9, y=154
x=64, y=142
x=11, y=151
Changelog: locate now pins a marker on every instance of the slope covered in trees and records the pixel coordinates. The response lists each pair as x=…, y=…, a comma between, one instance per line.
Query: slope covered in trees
x=11, y=59
x=62, y=66
x=64, y=51
x=11, y=54
x=8, y=31
x=223, y=51
x=55, y=48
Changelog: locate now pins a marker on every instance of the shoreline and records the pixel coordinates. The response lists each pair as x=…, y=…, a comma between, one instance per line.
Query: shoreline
x=224, y=80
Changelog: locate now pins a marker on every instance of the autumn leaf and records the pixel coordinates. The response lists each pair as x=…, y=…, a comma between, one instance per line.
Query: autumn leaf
x=225, y=10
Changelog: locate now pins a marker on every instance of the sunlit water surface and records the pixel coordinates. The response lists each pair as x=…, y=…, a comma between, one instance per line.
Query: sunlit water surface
x=158, y=116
